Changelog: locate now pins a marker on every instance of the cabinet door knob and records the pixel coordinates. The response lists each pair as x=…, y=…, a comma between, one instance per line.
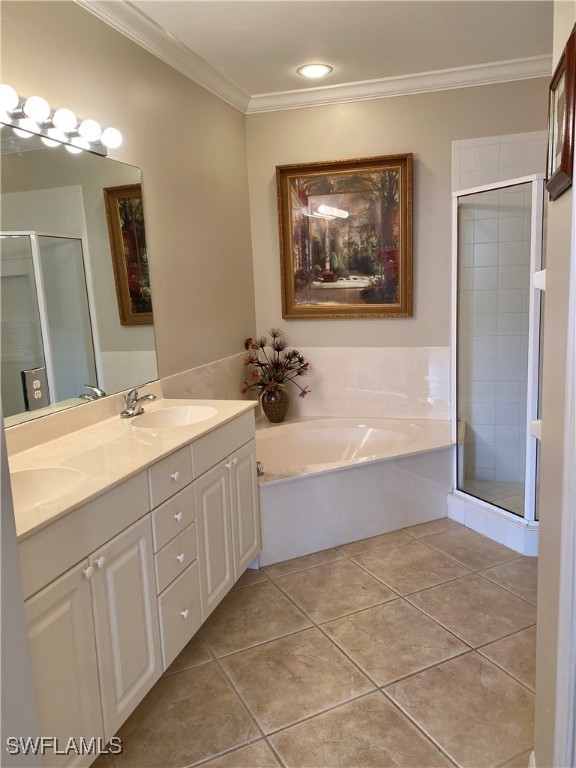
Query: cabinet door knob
x=88, y=572
x=228, y=465
x=101, y=562
x=181, y=557
x=185, y=613
x=235, y=460
x=178, y=517
x=175, y=476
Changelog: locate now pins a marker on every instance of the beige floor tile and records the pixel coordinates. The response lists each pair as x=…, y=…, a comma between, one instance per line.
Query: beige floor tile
x=249, y=577
x=367, y=733
x=473, y=710
x=103, y=761
x=192, y=655
x=333, y=590
x=410, y=567
x=257, y=755
x=393, y=640
x=250, y=616
x=376, y=542
x=516, y=654
x=292, y=678
x=435, y=526
x=520, y=761
x=519, y=576
x=185, y=718
x=470, y=548
x=475, y=609
x=301, y=563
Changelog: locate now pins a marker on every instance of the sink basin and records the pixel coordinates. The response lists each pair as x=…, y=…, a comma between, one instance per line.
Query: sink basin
x=173, y=416
x=31, y=487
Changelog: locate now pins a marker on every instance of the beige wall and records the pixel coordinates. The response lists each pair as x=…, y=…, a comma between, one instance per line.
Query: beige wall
x=426, y=125
x=190, y=146
x=558, y=249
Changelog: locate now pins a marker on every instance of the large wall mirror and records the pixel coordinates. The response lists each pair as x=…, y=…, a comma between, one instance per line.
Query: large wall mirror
x=59, y=308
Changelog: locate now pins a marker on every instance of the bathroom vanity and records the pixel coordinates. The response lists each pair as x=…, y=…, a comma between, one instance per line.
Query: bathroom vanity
x=143, y=528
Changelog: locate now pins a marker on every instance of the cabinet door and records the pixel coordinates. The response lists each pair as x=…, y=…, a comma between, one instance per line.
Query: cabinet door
x=63, y=652
x=245, y=507
x=215, y=554
x=126, y=622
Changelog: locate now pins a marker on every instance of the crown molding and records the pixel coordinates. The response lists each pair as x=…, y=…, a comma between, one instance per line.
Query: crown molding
x=131, y=22
x=422, y=82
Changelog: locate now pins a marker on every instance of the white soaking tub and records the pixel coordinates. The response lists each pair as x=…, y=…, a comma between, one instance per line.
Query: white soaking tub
x=330, y=481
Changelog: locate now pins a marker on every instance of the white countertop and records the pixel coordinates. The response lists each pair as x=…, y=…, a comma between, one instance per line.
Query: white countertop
x=106, y=454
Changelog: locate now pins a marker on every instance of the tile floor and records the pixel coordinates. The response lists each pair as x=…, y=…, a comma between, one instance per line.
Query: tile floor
x=414, y=649
x=509, y=496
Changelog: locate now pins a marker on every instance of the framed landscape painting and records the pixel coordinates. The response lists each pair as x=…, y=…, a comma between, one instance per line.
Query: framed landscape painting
x=125, y=214
x=346, y=238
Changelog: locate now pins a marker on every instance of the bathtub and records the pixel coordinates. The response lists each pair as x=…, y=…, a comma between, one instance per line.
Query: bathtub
x=328, y=482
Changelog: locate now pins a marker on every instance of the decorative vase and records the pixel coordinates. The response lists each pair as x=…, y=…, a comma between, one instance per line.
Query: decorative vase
x=275, y=404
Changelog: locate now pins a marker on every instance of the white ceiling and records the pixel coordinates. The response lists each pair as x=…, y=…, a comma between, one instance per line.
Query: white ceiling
x=247, y=51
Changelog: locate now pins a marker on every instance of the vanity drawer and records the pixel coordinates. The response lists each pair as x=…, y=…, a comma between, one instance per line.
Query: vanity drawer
x=175, y=557
x=180, y=613
x=170, y=475
x=172, y=517
x=210, y=449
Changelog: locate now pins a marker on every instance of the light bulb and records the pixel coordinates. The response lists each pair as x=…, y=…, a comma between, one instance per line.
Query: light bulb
x=54, y=134
x=90, y=130
x=314, y=70
x=77, y=144
x=9, y=99
x=65, y=120
x=26, y=128
x=74, y=150
x=36, y=108
x=111, y=138
x=49, y=142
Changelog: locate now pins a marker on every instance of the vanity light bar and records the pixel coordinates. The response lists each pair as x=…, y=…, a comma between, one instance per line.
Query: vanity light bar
x=34, y=116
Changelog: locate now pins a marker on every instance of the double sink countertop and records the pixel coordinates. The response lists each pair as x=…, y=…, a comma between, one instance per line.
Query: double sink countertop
x=53, y=478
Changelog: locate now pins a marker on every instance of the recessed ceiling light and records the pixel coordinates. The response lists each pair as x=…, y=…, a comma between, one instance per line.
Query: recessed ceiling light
x=314, y=70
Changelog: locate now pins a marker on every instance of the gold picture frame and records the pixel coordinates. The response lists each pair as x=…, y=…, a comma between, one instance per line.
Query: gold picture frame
x=346, y=238
x=561, y=106
x=125, y=216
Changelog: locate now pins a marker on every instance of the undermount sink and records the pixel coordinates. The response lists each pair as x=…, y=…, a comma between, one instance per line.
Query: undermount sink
x=31, y=487
x=173, y=416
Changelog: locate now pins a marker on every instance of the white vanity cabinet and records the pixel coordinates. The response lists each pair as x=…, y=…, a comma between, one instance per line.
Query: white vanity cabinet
x=93, y=631
x=65, y=670
x=227, y=512
x=176, y=552
x=126, y=622
x=116, y=587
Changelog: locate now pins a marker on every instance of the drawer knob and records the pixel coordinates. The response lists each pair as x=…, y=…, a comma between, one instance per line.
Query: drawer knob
x=101, y=562
x=88, y=572
x=175, y=476
x=181, y=557
x=178, y=517
x=185, y=613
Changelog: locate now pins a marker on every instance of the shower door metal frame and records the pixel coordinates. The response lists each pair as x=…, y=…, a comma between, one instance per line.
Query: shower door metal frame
x=536, y=242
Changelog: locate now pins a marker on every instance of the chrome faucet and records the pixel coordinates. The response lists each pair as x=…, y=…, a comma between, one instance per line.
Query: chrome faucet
x=94, y=393
x=134, y=404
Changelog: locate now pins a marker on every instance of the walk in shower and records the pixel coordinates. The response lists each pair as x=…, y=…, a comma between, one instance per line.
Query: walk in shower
x=496, y=341
x=45, y=318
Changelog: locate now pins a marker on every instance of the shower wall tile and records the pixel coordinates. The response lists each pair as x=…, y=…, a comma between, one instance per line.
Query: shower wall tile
x=493, y=321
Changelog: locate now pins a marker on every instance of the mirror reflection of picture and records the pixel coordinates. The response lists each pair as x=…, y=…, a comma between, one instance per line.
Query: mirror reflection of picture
x=125, y=214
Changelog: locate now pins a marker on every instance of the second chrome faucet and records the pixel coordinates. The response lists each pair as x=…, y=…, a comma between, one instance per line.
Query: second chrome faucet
x=134, y=404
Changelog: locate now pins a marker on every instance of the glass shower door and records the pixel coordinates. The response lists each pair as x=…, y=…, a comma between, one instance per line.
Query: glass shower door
x=497, y=338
